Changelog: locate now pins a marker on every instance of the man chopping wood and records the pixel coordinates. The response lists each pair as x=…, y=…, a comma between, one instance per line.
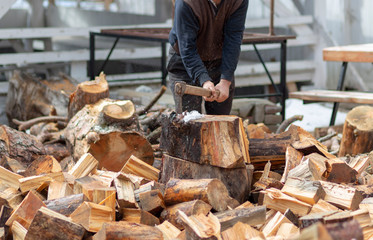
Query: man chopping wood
x=205, y=46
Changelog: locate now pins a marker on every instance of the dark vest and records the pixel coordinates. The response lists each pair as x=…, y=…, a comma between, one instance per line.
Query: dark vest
x=211, y=27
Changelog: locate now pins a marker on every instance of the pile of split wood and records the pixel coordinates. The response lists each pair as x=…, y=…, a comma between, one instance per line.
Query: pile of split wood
x=212, y=177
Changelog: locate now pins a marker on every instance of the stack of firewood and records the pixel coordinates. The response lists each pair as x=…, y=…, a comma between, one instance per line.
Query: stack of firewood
x=219, y=178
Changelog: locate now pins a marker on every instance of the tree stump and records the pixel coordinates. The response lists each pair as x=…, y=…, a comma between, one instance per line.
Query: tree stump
x=213, y=140
x=357, y=131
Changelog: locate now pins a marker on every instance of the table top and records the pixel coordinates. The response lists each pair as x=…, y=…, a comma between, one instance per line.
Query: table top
x=349, y=53
x=161, y=35
x=334, y=96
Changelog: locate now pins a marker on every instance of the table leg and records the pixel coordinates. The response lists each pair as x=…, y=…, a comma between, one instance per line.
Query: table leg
x=164, y=63
x=283, y=78
x=339, y=88
x=108, y=56
x=91, y=55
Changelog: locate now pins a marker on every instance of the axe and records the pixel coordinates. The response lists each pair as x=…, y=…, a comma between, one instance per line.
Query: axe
x=182, y=88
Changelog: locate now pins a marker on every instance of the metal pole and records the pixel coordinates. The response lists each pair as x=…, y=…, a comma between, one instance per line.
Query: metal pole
x=91, y=55
x=108, y=56
x=283, y=78
x=164, y=63
x=271, y=29
x=339, y=88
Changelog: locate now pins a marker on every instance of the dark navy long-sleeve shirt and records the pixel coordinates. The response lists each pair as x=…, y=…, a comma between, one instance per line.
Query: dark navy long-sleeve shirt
x=185, y=33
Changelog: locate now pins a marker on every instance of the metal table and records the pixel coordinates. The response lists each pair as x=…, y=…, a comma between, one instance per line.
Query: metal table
x=160, y=35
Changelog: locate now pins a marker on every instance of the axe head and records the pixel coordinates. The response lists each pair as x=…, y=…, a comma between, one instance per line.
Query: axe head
x=179, y=91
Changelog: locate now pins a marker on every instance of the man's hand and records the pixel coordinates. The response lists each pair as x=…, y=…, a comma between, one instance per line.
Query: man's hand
x=209, y=85
x=223, y=87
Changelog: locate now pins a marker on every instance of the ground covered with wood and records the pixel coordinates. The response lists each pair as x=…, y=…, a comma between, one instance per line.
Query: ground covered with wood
x=109, y=170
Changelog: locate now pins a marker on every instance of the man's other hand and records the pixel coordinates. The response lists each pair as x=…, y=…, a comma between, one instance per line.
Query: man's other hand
x=223, y=87
x=210, y=86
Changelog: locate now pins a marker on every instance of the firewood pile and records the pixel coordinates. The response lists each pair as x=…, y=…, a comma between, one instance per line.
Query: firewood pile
x=95, y=174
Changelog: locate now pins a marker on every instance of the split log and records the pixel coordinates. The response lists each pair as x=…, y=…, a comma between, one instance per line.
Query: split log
x=271, y=228
x=126, y=230
x=313, y=218
x=125, y=192
x=92, y=216
x=12, y=165
x=50, y=225
x=88, y=92
x=39, y=182
x=311, y=145
x=26, y=210
x=20, y=146
x=312, y=167
x=211, y=191
x=315, y=232
x=66, y=205
x=214, y=140
x=138, y=167
x=152, y=201
x=58, y=150
x=307, y=191
x=153, y=185
x=43, y=165
x=292, y=159
x=139, y=216
x=362, y=216
x=10, y=197
x=288, y=231
x=19, y=232
x=110, y=202
x=200, y=226
x=357, y=132
x=339, y=172
x=342, y=196
x=59, y=189
x=173, y=167
x=275, y=199
x=323, y=206
x=95, y=190
x=106, y=177
x=241, y=231
x=30, y=97
x=246, y=204
x=251, y=216
x=168, y=230
x=86, y=164
x=360, y=162
x=5, y=213
x=190, y=208
x=9, y=178
x=345, y=230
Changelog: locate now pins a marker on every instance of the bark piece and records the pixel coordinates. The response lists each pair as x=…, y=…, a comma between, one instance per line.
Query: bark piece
x=307, y=191
x=345, y=230
x=136, y=166
x=126, y=230
x=139, y=216
x=86, y=164
x=66, y=205
x=50, y=225
x=241, y=231
x=200, y=226
x=357, y=132
x=251, y=216
x=88, y=92
x=168, y=230
x=173, y=167
x=91, y=216
x=152, y=201
x=342, y=196
x=211, y=191
x=214, y=140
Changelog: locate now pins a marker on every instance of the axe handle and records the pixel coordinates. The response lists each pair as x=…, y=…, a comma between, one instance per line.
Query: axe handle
x=197, y=91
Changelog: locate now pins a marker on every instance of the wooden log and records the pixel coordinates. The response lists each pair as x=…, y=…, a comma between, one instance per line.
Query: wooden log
x=211, y=191
x=39, y=182
x=20, y=146
x=125, y=192
x=173, y=167
x=311, y=145
x=315, y=232
x=312, y=168
x=251, y=216
x=88, y=92
x=136, y=166
x=292, y=159
x=30, y=97
x=43, y=165
x=241, y=231
x=92, y=216
x=106, y=177
x=26, y=210
x=190, y=208
x=246, y=204
x=357, y=132
x=9, y=178
x=152, y=201
x=367, y=204
x=10, y=197
x=126, y=231
x=323, y=206
x=66, y=205
x=85, y=165
x=339, y=172
x=139, y=216
x=200, y=226
x=342, y=196
x=288, y=231
x=153, y=185
x=275, y=199
x=12, y=165
x=59, y=189
x=110, y=202
x=93, y=189
x=168, y=230
x=214, y=140
x=362, y=216
x=313, y=218
x=307, y=191
x=345, y=230
x=123, y=114
x=360, y=162
x=271, y=228
x=50, y=225
x=18, y=230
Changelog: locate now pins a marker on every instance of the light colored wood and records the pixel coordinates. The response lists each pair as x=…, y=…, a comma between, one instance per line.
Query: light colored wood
x=43, y=165
x=360, y=162
x=362, y=216
x=153, y=185
x=275, y=199
x=123, y=113
x=59, y=189
x=11, y=197
x=18, y=231
x=246, y=204
x=367, y=204
x=106, y=177
x=13, y=165
x=307, y=191
x=311, y=169
x=349, y=53
x=139, y=216
x=288, y=231
x=315, y=232
x=125, y=193
x=48, y=225
x=34, y=182
x=95, y=190
x=110, y=202
x=310, y=219
x=169, y=231
x=211, y=191
x=136, y=166
x=333, y=96
x=241, y=231
x=200, y=225
x=9, y=178
x=26, y=210
x=342, y=196
x=91, y=216
x=292, y=159
x=152, y=201
x=323, y=206
x=271, y=228
x=85, y=165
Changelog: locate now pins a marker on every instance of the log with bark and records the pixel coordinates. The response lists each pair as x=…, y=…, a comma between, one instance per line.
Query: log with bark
x=66, y=205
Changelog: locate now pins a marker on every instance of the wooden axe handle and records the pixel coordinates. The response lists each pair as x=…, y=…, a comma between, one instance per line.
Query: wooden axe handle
x=197, y=91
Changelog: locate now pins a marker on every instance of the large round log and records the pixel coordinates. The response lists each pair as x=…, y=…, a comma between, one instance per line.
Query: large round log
x=357, y=131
